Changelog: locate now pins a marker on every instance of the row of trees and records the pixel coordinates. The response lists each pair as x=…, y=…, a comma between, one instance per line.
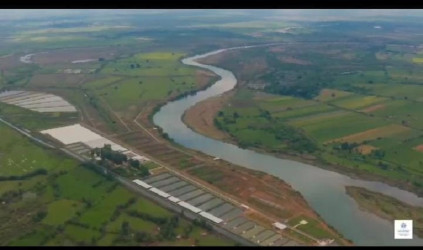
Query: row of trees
x=349, y=147
x=25, y=176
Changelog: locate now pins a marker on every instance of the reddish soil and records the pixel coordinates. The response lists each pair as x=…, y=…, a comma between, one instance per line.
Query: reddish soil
x=365, y=149
x=200, y=117
x=10, y=62
x=373, y=108
x=419, y=148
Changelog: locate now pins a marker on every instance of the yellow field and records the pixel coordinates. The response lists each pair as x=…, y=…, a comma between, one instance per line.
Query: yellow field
x=306, y=120
x=160, y=56
x=365, y=149
x=373, y=108
x=331, y=94
x=418, y=60
x=356, y=102
x=372, y=134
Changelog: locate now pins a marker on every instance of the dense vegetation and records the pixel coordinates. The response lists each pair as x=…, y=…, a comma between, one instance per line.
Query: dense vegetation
x=350, y=101
x=119, y=162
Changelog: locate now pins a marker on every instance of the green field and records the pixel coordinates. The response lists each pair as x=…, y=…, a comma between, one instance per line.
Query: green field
x=149, y=64
x=357, y=102
x=142, y=89
x=398, y=91
x=340, y=126
x=35, y=120
x=294, y=125
x=73, y=205
x=312, y=227
x=142, y=78
x=60, y=211
x=24, y=157
x=403, y=111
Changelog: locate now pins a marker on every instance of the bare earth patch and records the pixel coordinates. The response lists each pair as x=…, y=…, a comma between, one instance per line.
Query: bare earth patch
x=365, y=149
x=372, y=134
x=200, y=117
x=419, y=148
x=276, y=49
x=9, y=62
x=288, y=59
x=329, y=94
x=203, y=77
x=373, y=108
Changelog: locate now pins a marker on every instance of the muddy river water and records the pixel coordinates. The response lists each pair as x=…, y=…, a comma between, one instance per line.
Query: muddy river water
x=324, y=190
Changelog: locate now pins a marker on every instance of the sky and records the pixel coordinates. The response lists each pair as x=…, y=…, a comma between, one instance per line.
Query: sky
x=292, y=14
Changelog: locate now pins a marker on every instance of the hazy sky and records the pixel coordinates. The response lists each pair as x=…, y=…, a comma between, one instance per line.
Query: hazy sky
x=289, y=13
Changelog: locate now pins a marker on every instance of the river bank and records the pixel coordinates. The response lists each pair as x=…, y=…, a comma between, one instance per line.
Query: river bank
x=324, y=190
x=387, y=207
x=200, y=117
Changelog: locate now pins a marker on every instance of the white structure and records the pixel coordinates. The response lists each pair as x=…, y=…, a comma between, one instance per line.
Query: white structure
x=245, y=206
x=159, y=192
x=211, y=217
x=142, y=184
x=279, y=225
x=174, y=199
x=36, y=101
x=134, y=156
x=189, y=207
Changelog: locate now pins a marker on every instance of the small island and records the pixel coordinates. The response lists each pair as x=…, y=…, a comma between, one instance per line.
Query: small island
x=387, y=207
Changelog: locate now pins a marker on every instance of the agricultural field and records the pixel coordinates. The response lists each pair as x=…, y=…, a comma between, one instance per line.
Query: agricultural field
x=331, y=94
x=33, y=120
x=142, y=89
x=357, y=102
x=396, y=91
x=69, y=204
x=349, y=131
x=149, y=64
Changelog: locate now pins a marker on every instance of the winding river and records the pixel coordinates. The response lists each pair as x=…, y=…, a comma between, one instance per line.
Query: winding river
x=324, y=190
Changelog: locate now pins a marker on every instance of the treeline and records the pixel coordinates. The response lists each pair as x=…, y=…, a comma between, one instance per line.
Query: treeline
x=25, y=176
x=306, y=90
x=167, y=225
x=284, y=133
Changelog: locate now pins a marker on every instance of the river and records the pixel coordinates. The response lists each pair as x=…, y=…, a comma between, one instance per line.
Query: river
x=324, y=190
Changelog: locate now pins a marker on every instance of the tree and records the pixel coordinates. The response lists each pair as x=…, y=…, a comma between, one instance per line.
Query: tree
x=39, y=216
x=236, y=115
x=125, y=228
x=134, y=163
